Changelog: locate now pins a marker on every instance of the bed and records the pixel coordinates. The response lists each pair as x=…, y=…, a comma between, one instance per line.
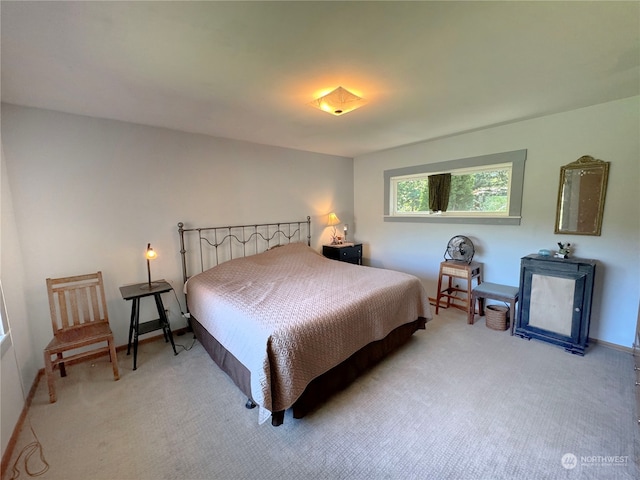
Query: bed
x=289, y=326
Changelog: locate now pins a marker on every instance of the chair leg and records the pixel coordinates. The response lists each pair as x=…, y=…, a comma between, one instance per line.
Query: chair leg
x=481, y=306
x=450, y=285
x=48, y=371
x=439, y=292
x=512, y=320
x=469, y=290
x=472, y=311
x=63, y=370
x=114, y=359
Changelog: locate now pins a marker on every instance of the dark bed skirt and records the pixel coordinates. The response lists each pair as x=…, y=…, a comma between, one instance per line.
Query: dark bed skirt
x=322, y=387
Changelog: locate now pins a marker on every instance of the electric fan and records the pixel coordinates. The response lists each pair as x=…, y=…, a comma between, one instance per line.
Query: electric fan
x=460, y=249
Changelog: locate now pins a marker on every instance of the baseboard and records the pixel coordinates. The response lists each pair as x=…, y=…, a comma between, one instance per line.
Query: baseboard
x=615, y=346
x=592, y=341
x=8, y=453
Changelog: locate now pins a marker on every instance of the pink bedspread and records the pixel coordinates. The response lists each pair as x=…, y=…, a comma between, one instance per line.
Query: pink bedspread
x=290, y=314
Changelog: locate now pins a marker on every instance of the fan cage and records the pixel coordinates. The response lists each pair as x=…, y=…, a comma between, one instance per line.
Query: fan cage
x=454, y=246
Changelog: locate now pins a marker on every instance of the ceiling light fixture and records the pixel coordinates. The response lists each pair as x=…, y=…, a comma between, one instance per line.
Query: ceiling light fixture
x=338, y=102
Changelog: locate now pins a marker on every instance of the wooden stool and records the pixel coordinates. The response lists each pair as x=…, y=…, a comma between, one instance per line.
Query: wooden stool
x=494, y=291
x=455, y=269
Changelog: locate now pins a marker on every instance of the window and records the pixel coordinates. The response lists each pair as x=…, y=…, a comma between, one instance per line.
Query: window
x=480, y=190
x=5, y=338
x=486, y=189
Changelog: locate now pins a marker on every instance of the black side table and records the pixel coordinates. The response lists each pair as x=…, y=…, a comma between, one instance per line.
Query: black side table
x=346, y=252
x=135, y=293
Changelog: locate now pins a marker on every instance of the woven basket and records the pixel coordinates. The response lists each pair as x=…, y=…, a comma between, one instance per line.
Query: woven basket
x=497, y=317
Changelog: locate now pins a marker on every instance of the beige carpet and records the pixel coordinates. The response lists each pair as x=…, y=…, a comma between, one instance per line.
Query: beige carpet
x=457, y=402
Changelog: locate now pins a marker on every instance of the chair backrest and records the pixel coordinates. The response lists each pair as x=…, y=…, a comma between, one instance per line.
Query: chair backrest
x=76, y=301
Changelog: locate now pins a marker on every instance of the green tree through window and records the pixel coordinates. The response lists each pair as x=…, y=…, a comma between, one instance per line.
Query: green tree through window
x=481, y=191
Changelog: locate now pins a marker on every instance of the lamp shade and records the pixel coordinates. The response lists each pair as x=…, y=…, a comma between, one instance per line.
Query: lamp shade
x=338, y=102
x=333, y=220
x=150, y=254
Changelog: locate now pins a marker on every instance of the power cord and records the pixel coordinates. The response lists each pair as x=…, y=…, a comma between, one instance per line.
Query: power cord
x=179, y=304
x=26, y=453
x=186, y=349
x=184, y=315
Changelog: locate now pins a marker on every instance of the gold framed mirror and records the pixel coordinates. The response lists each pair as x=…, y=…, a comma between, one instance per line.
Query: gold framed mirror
x=583, y=186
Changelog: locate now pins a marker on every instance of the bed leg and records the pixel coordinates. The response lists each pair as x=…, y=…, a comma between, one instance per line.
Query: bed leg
x=277, y=418
x=250, y=404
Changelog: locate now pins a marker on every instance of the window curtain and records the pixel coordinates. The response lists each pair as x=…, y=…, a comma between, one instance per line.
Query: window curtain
x=439, y=188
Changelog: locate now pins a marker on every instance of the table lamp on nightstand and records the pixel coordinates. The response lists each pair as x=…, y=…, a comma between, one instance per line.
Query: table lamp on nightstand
x=332, y=222
x=150, y=255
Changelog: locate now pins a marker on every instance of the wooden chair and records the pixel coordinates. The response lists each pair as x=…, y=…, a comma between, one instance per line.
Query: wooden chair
x=79, y=319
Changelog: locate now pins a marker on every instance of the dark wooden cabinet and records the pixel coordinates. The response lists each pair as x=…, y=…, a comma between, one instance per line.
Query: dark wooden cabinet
x=344, y=253
x=555, y=301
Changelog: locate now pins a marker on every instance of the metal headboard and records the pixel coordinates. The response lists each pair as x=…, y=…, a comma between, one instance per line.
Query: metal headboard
x=234, y=241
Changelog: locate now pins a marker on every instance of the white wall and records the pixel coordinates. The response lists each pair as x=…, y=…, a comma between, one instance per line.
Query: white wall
x=89, y=194
x=608, y=132
x=16, y=345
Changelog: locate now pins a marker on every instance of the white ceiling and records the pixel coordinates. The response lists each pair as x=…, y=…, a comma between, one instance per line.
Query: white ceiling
x=247, y=70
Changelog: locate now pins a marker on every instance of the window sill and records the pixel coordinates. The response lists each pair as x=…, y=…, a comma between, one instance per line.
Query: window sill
x=479, y=220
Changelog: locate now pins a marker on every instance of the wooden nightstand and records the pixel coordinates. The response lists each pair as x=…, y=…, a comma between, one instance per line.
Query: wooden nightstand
x=349, y=252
